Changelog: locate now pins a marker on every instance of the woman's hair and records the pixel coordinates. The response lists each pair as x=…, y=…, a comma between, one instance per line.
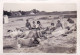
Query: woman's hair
x=52, y=24
x=38, y=22
x=58, y=21
x=9, y=31
x=27, y=20
x=33, y=21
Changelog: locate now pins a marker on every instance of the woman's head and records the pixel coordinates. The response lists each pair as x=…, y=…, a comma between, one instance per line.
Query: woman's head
x=38, y=22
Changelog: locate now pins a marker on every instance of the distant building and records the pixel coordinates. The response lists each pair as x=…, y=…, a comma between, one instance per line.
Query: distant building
x=32, y=13
x=29, y=13
x=16, y=13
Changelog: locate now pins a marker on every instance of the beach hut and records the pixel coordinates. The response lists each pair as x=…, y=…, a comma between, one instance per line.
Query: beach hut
x=5, y=19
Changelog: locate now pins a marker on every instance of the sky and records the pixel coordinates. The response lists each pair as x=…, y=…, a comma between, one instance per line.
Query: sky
x=49, y=7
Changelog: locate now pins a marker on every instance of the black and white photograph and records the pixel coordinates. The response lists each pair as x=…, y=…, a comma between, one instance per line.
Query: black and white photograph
x=40, y=28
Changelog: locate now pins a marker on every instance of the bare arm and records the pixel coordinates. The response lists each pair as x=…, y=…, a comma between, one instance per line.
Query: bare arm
x=61, y=26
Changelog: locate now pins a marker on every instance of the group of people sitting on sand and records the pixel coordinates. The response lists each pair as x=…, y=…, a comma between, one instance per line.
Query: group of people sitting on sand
x=39, y=25
x=37, y=31
x=51, y=28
